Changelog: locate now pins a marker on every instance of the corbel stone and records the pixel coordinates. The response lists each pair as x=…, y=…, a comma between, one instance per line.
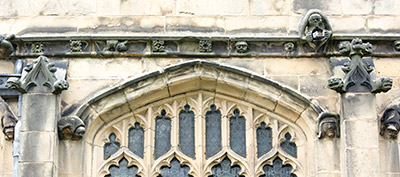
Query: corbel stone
x=390, y=122
x=6, y=47
x=71, y=127
x=39, y=76
x=241, y=47
x=115, y=46
x=328, y=125
x=315, y=28
x=357, y=76
x=8, y=120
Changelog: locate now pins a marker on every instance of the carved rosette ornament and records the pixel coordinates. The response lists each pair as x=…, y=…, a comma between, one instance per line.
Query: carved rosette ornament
x=37, y=47
x=328, y=125
x=205, y=46
x=6, y=47
x=390, y=122
x=39, y=77
x=71, y=128
x=315, y=29
x=158, y=46
x=396, y=46
x=357, y=76
x=75, y=46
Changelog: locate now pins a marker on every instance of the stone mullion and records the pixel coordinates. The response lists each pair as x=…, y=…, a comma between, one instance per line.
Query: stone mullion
x=225, y=131
x=174, y=126
x=250, y=141
x=200, y=129
x=149, y=139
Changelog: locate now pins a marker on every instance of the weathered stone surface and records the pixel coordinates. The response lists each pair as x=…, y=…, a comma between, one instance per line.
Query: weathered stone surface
x=359, y=162
x=388, y=7
x=269, y=7
x=36, y=117
x=103, y=68
x=195, y=24
x=36, y=169
x=358, y=106
x=291, y=81
x=327, y=6
x=151, y=7
x=218, y=7
x=256, y=24
x=296, y=66
x=361, y=133
x=383, y=24
x=37, y=147
x=357, y=7
x=315, y=86
x=348, y=24
x=71, y=160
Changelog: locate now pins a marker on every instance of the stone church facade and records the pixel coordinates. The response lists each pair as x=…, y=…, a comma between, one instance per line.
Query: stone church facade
x=176, y=88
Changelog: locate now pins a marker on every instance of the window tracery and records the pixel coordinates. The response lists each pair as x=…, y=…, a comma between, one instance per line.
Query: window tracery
x=183, y=130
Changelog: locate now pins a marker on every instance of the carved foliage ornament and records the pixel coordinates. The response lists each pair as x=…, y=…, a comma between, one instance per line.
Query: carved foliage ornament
x=328, y=125
x=39, y=77
x=8, y=119
x=6, y=47
x=390, y=122
x=75, y=46
x=158, y=46
x=205, y=46
x=37, y=47
x=315, y=29
x=357, y=76
x=71, y=128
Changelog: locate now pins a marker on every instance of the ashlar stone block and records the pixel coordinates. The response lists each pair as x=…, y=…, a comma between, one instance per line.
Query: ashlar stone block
x=37, y=147
x=36, y=169
x=358, y=106
x=39, y=112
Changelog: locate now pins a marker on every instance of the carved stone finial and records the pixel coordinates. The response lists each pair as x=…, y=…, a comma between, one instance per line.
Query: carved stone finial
x=75, y=46
x=205, y=46
x=390, y=122
x=115, y=46
x=357, y=76
x=328, y=125
x=158, y=46
x=8, y=120
x=39, y=77
x=6, y=47
x=71, y=128
x=315, y=28
x=241, y=47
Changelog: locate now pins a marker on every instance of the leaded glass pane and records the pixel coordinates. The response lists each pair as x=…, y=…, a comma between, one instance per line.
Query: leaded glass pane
x=111, y=147
x=264, y=139
x=136, y=140
x=237, y=133
x=224, y=169
x=162, y=135
x=175, y=170
x=213, y=131
x=122, y=170
x=289, y=146
x=186, y=131
x=278, y=170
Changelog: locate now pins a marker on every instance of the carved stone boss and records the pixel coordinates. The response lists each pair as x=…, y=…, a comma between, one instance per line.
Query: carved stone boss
x=357, y=76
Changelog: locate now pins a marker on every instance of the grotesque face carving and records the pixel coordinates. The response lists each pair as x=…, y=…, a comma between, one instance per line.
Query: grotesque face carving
x=390, y=123
x=315, y=20
x=315, y=29
x=241, y=47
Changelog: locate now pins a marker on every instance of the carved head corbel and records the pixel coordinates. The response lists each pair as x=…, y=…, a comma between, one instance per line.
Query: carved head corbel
x=390, y=122
x=328, y=125
x=315, y=28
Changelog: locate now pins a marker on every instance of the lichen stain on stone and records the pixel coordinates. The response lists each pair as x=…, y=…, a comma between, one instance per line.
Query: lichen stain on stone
x=48, y=30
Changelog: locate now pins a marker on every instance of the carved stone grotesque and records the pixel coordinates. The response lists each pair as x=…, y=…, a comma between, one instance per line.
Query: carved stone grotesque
x=315, y=29
x=357, y=76
x=328, y=125
x=39, y=76
x=115, y=46
x=8, y=120
x=289, y=46
x=71, y=128
x=6, y=47
x=390, y=122
x=241, y=47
